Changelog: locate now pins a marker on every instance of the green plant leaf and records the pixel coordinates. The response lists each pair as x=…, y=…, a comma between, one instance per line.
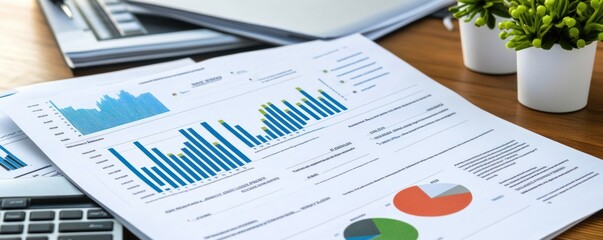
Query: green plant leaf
x=551, y=21
x=548, y=42
x=491, y=22
x=500, y=11
x=565, y=43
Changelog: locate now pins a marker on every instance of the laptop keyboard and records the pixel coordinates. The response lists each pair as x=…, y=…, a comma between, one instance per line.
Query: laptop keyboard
x=63, y=218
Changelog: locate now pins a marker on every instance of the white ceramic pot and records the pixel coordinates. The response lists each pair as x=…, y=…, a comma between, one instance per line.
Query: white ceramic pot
x=484, y=51
x=555, y=80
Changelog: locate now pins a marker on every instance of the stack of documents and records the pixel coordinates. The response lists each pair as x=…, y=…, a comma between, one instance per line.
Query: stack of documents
x=99, y=32
x=322, y=140
x=286, y=22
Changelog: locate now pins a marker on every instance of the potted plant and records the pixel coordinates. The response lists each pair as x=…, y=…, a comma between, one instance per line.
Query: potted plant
x=483, y=51
x=556, y=42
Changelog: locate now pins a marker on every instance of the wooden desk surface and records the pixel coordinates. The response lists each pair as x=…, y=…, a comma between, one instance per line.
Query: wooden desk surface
x=29, y=54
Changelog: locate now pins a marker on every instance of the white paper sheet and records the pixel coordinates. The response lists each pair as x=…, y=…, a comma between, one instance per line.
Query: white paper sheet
x=31, y=161
x=403, y=157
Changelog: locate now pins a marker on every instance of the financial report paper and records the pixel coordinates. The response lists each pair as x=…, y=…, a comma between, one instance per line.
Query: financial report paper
x=324, y=140
x=19, y=156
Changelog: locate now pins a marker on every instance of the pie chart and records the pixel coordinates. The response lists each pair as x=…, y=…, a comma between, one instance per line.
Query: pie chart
x=433, y=200
x=380, y=229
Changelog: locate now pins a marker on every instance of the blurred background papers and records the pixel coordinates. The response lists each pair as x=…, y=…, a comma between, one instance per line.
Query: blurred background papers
x=100, y=32
x=286, y=22
x=103, y=32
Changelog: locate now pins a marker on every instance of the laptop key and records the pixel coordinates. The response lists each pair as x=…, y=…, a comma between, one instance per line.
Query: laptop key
x=14, y=216
x=41, y=228
x=37, y=238
x=41, y=216
x=85, y=226
x=11, y=229
x=14, y=203
x=71, y=215
x=98, y=214
x=87, y=237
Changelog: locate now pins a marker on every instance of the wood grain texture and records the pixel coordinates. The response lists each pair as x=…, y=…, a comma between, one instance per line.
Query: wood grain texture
x=29, y=54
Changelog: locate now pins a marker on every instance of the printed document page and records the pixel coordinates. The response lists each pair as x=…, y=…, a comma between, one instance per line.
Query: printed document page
x=19, y=156
x=342, y=141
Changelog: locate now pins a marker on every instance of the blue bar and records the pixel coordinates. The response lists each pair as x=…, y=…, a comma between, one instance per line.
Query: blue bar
x=224, y=158
x=290, y=106
x=272, y=127
x=183, y=166
x=157, y=180
x=17, y=161
x=297, y=126
x=134, y=170
x=279, y=118
x=232, y=157
x=227, y=126
x=279, y=112
x=180, y=172
x=247, y=135
x=190, y=163
x=275, y=122
x=272, y=136
x=325, y=102
x=220, y=158
x=268, y=137
x=14, y=162
x=204, y=150
x=333, y=100
x=316, y=102
x=13, y=157
x=293, y=115
x=225, y=142
x=156, y=161
x=308, y=111
x=209, y=162
x=3, y=165
x=313, y=107
x=261, y=138
x=166, y=178
x=7, y=164
x=324, y=108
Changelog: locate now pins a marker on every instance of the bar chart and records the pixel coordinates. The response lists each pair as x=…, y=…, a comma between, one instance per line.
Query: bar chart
x=195, y=152
x=111, y=112
x=203, y=154
x=287, y=119
x=10, y=162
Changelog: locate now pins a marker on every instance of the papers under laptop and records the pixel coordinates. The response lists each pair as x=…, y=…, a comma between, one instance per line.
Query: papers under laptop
x=110, y=31
x=286, y=22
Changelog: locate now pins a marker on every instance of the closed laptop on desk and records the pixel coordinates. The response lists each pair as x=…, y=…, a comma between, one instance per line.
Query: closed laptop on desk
x=284, y=22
